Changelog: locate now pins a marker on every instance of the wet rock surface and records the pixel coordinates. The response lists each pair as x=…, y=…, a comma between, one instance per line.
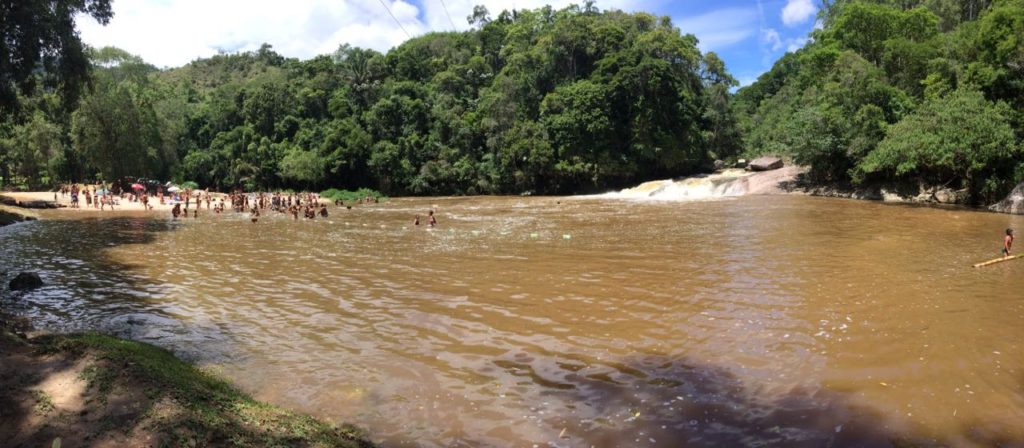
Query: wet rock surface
x=25, y=281
x=765, y=164
x=1014, y=202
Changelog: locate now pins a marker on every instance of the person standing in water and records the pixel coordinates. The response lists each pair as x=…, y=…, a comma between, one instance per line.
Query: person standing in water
x=1008, y=242
x=431, y=219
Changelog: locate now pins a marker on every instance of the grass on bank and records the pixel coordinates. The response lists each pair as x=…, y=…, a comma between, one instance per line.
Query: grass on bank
x=207, y=410
x=348, y=196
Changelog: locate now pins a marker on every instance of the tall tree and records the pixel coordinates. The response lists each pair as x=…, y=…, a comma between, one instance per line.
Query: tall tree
x=41, y=34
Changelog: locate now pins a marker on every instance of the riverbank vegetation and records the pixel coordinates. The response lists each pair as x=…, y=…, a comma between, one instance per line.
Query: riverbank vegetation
x=928, y=91
x=550, y=101
x=94, y=389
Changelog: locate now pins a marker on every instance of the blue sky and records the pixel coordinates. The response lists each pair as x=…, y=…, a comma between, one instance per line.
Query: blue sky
x=749, y=35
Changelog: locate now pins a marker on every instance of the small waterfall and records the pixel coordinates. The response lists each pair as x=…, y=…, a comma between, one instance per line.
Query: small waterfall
x=719, y=185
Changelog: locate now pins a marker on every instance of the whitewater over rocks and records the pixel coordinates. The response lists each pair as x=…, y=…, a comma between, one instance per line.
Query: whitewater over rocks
x=727, y=183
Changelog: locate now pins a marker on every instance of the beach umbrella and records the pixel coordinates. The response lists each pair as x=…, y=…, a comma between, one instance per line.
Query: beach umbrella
x=137, y=187
x=189, y=184
x=102, y=192
x=173, y=190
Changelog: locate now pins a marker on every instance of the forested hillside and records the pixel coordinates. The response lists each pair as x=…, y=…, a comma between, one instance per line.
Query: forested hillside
x=539, y=101
x=546, y=101
x=928, y=91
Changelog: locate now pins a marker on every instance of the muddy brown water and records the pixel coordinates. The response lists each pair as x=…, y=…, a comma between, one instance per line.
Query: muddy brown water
x=754, y=321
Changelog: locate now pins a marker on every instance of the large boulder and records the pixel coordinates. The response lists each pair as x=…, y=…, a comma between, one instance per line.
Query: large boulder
x=765, y=164
x=1014, y=203
x=25, y=280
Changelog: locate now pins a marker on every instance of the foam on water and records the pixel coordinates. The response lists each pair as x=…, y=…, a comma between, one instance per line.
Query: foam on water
x=729, y=183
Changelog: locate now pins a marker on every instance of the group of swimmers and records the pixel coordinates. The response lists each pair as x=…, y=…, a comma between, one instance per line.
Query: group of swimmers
x=431, y=220
x=256, y=204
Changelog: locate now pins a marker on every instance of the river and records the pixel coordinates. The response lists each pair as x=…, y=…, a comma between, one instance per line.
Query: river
x=571, y=321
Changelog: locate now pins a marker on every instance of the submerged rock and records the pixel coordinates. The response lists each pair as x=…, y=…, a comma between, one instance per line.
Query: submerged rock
x=1014, y=202
x=26, y=280
x=765, y=164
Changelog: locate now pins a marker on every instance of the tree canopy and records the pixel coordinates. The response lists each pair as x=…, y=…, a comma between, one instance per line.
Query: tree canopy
x=38, y=34
x=926, y=90
x=543, y=100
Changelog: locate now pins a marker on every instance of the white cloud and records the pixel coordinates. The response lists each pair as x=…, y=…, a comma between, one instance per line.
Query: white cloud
x=747, y=80
x=792, y=45
x=722, y=28
x=798, y=11
x=170, y=33
x=772, y=42
x=771, y=38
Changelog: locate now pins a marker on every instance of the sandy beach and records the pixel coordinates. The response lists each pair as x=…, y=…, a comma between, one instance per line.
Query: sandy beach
x=121, y=204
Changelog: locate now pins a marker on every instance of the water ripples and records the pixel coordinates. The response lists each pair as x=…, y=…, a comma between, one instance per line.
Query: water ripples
x=571, y=322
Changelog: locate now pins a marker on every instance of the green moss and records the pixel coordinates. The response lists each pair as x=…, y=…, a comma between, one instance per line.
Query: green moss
x=99, y=377
x=44, y=404
x=214, y=411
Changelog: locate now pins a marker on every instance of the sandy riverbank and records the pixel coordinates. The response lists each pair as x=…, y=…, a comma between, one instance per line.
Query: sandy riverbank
x=121, y=205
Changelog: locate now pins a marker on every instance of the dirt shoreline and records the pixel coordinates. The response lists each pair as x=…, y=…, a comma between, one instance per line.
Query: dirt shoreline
x=64, y=202
x=100, y=391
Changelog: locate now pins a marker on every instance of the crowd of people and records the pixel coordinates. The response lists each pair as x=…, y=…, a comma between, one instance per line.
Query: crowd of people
x=100, y=196
x=187, y=203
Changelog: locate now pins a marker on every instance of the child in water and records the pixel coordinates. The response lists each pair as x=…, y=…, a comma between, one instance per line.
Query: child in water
x=1008, y=242
x=431, y=219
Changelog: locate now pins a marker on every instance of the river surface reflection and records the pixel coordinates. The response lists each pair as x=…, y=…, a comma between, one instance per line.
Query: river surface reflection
x=571, y=322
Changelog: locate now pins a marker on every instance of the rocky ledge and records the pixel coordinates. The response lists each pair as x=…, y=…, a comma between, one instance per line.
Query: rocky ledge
x=14, y=202
x=11, y=215
x=1014, y=202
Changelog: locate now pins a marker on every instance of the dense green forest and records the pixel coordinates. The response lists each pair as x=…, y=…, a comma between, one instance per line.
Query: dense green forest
x=547, y=101
x=928, y=91
x=543, y=101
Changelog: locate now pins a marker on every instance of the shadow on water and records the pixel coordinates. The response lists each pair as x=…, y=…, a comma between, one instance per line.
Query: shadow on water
x=660, y=402
x=84, y=287
x=689, y=403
